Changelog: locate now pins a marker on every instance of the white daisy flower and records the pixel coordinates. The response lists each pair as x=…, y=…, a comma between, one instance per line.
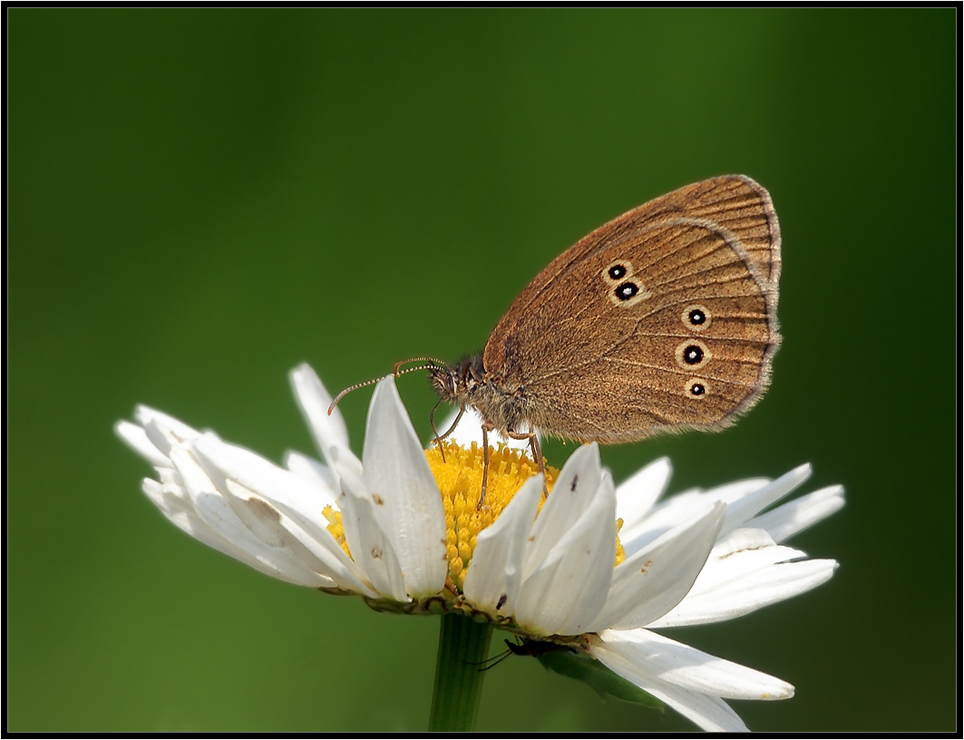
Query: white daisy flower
x=592, y=567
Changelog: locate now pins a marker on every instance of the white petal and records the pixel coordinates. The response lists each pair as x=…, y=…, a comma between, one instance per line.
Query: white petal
x=693, y=669
x=305, y=543
x=161, y=436
x=269, y=480
x=795, y=516
x=195, y=480
x=180, y=511
x=312, y=470
x=636, y=496
x=398, y=474
x=352, y=486
x=276, y=561
x=136, y=438
x=744, y=581
x=295, y=519
x=371, y=545
x=495, y=571
x=272, y=526
x=682, y=507
x=655, y=579
x=567, y=591
x=738, y=512
x=218, y=515
x=178, y=429
x=741, y=551
x=576, y=486
x=710, y=713
x=330, y=432
x=730, y=493
x=178, y=508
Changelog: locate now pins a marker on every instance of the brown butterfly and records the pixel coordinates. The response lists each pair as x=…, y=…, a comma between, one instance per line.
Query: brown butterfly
x=663, y=319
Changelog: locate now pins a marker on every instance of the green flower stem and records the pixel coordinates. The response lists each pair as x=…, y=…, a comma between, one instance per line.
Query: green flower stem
x=463, y=645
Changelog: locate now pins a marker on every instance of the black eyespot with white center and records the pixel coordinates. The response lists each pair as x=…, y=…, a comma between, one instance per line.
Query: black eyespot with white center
x=617, y=271
x=693, y=355
x=696, y=388
x=696, y=317
x=627, y=290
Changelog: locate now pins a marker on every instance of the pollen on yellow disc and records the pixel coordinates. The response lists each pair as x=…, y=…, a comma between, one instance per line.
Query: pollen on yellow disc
x=459, y=479
x=620, y=552
x=336, y=528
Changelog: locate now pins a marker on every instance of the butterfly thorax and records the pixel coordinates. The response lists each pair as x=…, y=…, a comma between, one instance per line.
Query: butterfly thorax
x=467, y=383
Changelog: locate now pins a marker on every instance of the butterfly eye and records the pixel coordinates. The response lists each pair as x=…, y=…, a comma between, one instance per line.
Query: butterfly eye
x=692, y=354
x=695, y=317
x=696, y=387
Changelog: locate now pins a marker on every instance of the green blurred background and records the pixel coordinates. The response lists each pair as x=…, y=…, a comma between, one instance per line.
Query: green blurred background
x=200, y=199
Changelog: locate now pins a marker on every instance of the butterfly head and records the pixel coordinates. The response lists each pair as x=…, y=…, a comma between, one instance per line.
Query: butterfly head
x=467, y=384
x=455, y=383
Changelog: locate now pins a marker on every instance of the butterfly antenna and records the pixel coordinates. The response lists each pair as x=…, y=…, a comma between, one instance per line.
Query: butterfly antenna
x=348, y=390
x=431, y=360
x=433, y=363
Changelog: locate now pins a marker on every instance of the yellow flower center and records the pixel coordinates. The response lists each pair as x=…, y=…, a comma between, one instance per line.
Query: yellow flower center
x=459, y=478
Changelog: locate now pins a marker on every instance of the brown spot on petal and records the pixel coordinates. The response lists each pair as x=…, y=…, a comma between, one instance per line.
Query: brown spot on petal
x=263, y=509
x=377, y=553
x=378, y=499
x=744, y=549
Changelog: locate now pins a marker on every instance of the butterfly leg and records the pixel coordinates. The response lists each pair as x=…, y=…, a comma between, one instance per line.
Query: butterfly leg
x=486, y=428
x=536, y=447
x=439, y=437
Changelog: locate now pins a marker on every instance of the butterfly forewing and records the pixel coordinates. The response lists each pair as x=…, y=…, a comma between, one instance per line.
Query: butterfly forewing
x=661, y=319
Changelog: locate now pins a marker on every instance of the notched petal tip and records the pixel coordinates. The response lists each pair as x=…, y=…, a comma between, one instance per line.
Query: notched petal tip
x=328, y=431
x=136, y=438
